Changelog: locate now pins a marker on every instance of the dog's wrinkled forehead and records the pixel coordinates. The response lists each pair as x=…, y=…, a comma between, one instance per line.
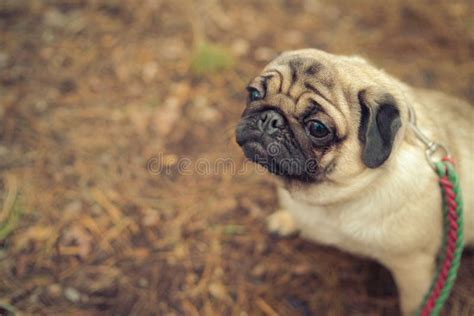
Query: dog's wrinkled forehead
x=295, y=75
x=300, y=66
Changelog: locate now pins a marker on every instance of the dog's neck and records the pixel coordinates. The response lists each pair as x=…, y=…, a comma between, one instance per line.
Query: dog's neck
x=394, y=179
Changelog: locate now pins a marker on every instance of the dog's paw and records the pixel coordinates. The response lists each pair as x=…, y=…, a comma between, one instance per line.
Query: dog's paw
x=281, y=223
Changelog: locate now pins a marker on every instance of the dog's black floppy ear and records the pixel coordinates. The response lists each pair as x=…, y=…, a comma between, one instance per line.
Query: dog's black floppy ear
x=379, y=124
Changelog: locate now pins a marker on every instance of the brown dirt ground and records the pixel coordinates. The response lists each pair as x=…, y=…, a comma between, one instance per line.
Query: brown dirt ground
x=91, y=90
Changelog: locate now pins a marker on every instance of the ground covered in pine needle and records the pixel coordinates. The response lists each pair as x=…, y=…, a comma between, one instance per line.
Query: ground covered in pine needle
x=101, y=101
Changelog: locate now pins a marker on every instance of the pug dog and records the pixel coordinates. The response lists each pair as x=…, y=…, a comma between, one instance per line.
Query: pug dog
x=336, y=131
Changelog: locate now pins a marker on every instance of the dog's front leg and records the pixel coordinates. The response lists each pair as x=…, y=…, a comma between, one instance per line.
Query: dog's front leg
x=413, y=275
x=282, y=222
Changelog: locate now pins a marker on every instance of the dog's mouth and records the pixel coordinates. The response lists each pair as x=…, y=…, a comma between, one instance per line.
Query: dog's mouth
x=261, y=155
x=255, y=152
x=277, y=158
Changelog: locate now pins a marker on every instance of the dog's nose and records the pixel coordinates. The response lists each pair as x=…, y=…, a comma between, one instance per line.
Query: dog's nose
x=270, y=122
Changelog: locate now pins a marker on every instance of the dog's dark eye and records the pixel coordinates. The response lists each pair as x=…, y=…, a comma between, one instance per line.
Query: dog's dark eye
x=318, y=130
x=254, y=94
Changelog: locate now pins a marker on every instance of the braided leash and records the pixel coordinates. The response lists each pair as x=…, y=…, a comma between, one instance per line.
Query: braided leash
x=452, y=244
x=452, y=240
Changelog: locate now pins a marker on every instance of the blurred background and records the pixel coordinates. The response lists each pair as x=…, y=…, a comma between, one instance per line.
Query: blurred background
x=101, y=99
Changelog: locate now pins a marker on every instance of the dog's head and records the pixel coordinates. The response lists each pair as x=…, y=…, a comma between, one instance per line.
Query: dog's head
x=313, y=116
